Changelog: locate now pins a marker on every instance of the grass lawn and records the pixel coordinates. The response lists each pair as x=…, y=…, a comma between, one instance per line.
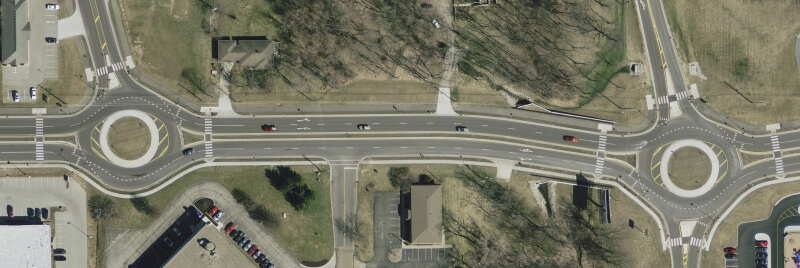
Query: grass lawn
x=755, y=207
x=757, y=58
x=689, y=168
x=189, y=138
x=640, y=250
x=129, y=139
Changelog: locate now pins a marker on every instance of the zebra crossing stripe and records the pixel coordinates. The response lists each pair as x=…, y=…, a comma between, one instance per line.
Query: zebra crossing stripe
x=109, y=69
x=601, y=154
x=674, y=242
x=39, y=139
x=209, y=145
x=776, y=148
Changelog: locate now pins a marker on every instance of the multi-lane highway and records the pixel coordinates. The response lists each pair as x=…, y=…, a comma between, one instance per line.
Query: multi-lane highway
x=337, y=139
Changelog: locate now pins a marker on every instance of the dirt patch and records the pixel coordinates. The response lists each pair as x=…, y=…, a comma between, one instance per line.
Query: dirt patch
x=756, y=59
x=129, y=138
x=689, y=168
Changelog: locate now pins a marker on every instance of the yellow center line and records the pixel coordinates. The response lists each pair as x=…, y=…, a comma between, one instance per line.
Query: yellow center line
x=96, y=18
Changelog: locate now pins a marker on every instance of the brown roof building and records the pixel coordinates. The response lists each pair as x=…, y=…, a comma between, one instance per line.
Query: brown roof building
x=426, y=214
x=256, y=54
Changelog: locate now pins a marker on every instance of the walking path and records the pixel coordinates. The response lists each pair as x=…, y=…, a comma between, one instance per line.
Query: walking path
x=71, y=26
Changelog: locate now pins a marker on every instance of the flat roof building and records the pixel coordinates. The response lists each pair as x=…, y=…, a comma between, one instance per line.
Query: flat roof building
x=26, y=246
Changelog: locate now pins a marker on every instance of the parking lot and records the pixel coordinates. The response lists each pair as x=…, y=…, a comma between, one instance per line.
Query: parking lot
x=69, y=226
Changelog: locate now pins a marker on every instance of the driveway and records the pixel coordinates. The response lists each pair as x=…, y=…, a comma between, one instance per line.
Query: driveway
x=125, y=246
x=387, y=237
x=69, y=226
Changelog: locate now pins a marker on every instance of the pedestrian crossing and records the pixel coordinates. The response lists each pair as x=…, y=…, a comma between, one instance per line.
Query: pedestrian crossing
x=696, y=242
x=666, y=99
x=109, y=69
x=39, y=139
x=209, y=146
x=776, y=150
x=663, y=99
x=674, y=242
x=601, y=154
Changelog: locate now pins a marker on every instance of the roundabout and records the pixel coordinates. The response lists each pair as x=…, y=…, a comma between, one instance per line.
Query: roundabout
x=108, y=153
x=664, y=173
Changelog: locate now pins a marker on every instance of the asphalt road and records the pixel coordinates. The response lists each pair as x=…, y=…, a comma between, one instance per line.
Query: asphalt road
x=336, y=138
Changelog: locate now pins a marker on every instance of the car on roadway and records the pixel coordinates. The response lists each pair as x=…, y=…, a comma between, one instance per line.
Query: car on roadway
x=59, y=258
x=51, y=6
x=762, y=243
x=45, y=213
x=462, y=129
x=33, y=93
x=188, y=151
x=51, y=40
x=570, y=138
x=167, y=241
x=230, y=227
x=729, y=250
x=218, y=215
x=15, y=95
x=10, y=211
x=363, y=126
x=59, y=251
x=269, y=128
x=212, y=210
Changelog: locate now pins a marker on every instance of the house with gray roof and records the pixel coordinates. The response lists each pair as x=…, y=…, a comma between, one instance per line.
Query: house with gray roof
x=16, y=31
x=426, y=215
x=255, y=54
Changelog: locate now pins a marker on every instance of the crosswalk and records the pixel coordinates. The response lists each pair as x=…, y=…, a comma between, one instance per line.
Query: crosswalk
x=696, y=242
x=109, y=69
x=39, y=139
x=678, y=241
x=666, y=99
x=601, y=154
x=674, y=242
x=776, y=149
x=209, y=147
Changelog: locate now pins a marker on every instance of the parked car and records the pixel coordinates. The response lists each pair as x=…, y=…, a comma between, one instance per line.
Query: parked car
x=238, y=235
x=230, y=227
x=436, y=24
x=761, y=249
x=233, y=233
x=51, y=40
x=188, y=151
x=363, y=126
x=261, y=258
x=761, y=255
x=244, y=242
x=167, y=241
x=38, y=213
x=269, y=128
x=30, y=212
x=241, y=239
x=247, y=245
x=729, y=250
x=59, y=251
x=762, y=243
x=570, y=138
x=257, y=255
x=426, y=5
x=59, y=258
x=51, y=6
x=761, y=261
x=212, y=210
x=462, y=129
x=33, y=93
x=730, y=255
x=252, y=250
x=10, y=211
x=45, y=213
x=218, y=215
x=15, y=95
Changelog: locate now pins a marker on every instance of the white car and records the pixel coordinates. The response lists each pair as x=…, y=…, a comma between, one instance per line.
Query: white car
x=436, y=24
x=15, y=95
x=363, y=127
x=33, y=93
x=51, y=6
x=218, y=215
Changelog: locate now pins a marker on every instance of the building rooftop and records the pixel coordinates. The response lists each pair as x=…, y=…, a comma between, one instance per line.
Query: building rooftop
x=426, y=214
x=256, y=54
x=194, y=255
x=25, y=246
x=16, y=31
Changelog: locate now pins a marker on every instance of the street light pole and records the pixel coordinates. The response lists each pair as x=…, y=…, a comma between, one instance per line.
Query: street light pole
x=76, y=227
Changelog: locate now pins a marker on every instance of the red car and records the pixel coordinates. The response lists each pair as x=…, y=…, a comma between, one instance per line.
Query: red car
x=10, y=211
x=730, y=250
x=269, y=128
x=570, y=138
x=252, y=250
x=762, y=244
x=230, y=227
x=212, y=210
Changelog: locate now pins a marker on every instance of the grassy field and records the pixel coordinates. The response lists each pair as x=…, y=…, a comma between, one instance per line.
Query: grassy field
x=748, y=158
x=189, y=138
x=356, y=92
x=128, y=138
x=749, y=45
x=166, y=38
x=754, y=207
x=689, y=168
x=639, y=249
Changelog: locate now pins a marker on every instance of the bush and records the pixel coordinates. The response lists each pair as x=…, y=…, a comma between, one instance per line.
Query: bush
x=291, y=185
x=400, y=178
x=242, y=198
x=142, y=205
x=264, y=216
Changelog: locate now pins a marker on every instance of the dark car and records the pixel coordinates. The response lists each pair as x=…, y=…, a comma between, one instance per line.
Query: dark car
x=363, y=126
x=51, y=40
x=10, y=211
x=188, y=151
x=761, y=261
x=761, y=249
x=570, y=138
x=59, y=258
x=729, y=250
x=59, y=251
x=761, y=255
x=45, y=213
x=30, y=212
x=269, y=128
x=730, y=255
x=38, y=213
x=462, y=129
